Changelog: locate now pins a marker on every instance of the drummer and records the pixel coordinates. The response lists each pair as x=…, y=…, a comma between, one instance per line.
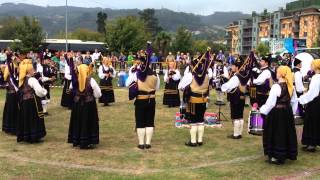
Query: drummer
x=237, y=101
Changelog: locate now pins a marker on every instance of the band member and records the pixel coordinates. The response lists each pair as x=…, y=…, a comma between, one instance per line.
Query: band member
x=298, y=83
x=31, y=127
x=263, y=82
x=279, y=135
x=84, y=120
x=106, y=74
x=67, y=96
x=47, y=76
x=235, y=95
x=195, y=85
x=311, y=128
x=143, y=83
x=10, y=116
x=171, y=93
x=220, y=76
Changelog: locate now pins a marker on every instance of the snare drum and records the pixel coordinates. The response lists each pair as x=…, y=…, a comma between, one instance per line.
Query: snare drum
x=255, y=123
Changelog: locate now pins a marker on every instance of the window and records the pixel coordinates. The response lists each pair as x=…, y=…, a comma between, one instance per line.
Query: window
x=282, y=36
x=283, y=26
x=305, y=34
x=277, y=16
x=305, y=23
x=290, y=25
x=276, y=26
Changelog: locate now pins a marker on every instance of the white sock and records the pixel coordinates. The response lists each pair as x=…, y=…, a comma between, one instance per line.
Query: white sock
x=241, y=126
x=149, y=133
x=236, y=124
x=141, y=132
x=44, y=107
x=193, y=133
x=200, y=133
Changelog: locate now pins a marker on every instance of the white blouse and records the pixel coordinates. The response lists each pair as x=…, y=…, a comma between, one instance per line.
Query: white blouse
x=133, y=78
x=231, y=84
x=175, y=77
x=67, y=72
x=298, y=82
x=95, y=87
x=187, y=79
x=225, y=71
x=271, y=102
x=313, y=91
x=102, y=75
x=266, y=74
x=38, y=89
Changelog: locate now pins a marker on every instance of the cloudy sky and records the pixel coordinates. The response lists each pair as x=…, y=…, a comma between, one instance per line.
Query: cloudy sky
x=203, y=7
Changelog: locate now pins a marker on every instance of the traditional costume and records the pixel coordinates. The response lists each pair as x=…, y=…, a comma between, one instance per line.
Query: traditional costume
x=263, y=83
x=31, y=127
x=220, y=76
x=298, y=83
x=311, y=128
x=236, y=97
x=279, y=135
x=67, y=96
x=106, y=73
x=10, y=111
x=84, y=120
x=143, y=83
x=195, y=85
x=172, y=77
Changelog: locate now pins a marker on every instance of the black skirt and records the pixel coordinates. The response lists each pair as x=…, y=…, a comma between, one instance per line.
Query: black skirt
x=67, y=97
x=145, y=112
x=31, y=127
x=171, y=95
x=279, y=135
x=107, y=91
x=311, y=128
x=237, y=109
x=10, y=113
x=195, y=112
x=84, y=124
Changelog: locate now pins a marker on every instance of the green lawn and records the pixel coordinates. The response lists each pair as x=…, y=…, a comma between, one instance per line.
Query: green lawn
x=116, y=157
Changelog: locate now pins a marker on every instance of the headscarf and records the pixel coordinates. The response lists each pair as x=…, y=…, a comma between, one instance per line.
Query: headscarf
x=24, y=67
x=83, y=71
x=286, y=73
x=316, y=64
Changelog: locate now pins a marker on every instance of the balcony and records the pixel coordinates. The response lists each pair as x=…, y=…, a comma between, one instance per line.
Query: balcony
x=247, y=44
x=247, y=34
x=295, y=29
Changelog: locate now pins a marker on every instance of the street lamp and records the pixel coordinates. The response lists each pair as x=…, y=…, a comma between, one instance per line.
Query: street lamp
x=66, y=25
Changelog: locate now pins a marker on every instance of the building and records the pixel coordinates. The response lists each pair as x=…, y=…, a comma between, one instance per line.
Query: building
x=232, y=38
x=299, y=20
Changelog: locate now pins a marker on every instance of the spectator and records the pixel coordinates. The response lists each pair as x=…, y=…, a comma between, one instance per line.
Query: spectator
x=87, y=59
x=130, y=59
x=230, y=59
x=3, y=57
x=47, y=54
x=62, y=65
x=122, y=59
x=154, y=60
x=96, y=55
x=221, y=56
x=55, y=58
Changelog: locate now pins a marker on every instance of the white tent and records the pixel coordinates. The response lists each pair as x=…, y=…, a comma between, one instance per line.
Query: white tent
x=306, y=60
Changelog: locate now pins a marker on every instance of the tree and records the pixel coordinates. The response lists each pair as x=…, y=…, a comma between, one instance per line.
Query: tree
x=87, y=35
x=30, y=35
x=200, y=46
x=101, y=22
x=162, y=42
x=263, y=49
x=9, y=25
x=151, y=22
x=127, y=34
x=183, y=40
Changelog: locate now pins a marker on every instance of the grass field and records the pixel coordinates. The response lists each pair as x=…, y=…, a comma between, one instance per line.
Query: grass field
x=116, y=157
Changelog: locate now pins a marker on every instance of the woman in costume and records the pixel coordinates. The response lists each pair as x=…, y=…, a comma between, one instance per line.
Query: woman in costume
x=279, y=135
x=31, y=127
x=106, y=74
x=84, y=120
x=66, y=99
x=172, y=77
x=311, y=128
x=10, y=115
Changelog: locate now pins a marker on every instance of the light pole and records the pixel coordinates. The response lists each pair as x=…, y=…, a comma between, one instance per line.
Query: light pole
x=66, y=25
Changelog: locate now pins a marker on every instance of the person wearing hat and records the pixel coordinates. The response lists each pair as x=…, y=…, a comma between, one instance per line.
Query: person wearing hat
x=220, y=76
x=171, y=78
x=279, y=134
x=195, y=86
x=236, y=98
x=31, y=126
x=84, y=120
x=298, y=83
x=10, y=116
x=143, y=84
x=264, y=81
x=106, y=73
x=311, y=128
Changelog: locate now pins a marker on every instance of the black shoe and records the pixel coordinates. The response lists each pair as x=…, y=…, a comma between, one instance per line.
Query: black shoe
x=106, y=104
x=277, y=162
x=190, y=144
x=310, y=149
x=234, y=137
x=147, y=146
x=141, y=146
x=46, y=114
x=200, y=143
